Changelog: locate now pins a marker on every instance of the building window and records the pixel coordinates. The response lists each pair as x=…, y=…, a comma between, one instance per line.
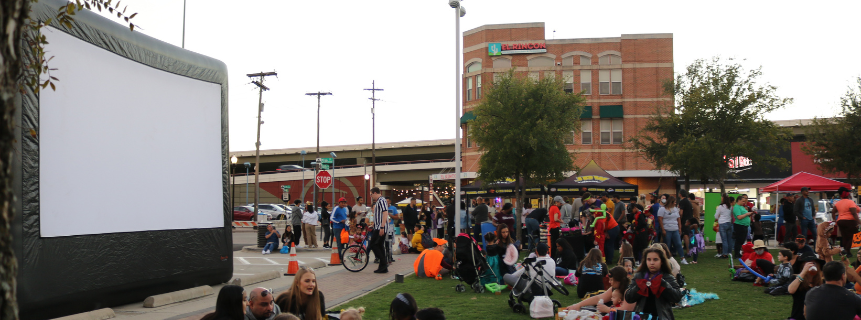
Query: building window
x=569, y=139
x=611, y=131
x=478, y=87
x=586, y=81
x=468, y=88
x=610, y=59
x=473, y=67
x=586, y=131
x=496, y=76
x=610, y=81
x=541, y=62
x=550, y=75
x=466, y=135
x=568, y=77
x=533, y=76
x=500, y=63
x=585, y=61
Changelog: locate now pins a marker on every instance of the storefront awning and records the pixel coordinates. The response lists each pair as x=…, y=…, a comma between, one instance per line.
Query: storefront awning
x=467, y=117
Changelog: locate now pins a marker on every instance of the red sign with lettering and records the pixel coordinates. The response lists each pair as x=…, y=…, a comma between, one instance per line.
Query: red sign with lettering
x=323, y=180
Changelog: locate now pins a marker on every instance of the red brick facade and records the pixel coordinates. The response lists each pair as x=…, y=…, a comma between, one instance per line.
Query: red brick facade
x=646, y=62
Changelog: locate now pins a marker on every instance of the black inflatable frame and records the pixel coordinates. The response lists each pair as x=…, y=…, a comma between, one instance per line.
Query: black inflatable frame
x=66, y=275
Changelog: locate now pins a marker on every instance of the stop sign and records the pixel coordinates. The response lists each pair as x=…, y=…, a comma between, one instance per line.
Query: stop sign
x=324, y=179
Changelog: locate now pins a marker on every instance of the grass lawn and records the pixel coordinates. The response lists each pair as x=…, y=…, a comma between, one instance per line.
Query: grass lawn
x=738, y=300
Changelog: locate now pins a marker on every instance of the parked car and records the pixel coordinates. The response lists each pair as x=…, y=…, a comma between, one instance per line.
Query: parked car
x=823, y=212
x=275, y=211
x=243, y=213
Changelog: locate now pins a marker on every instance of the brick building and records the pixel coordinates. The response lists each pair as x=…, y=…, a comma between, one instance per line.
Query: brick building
x=621, y=78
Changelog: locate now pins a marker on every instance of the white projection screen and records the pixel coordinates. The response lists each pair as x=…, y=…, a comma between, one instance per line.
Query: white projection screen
x=124, y=147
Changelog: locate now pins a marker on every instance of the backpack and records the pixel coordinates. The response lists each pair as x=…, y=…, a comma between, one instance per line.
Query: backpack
x=427, y=241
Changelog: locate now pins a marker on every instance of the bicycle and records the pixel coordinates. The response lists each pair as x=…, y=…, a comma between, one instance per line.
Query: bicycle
x=355, y=257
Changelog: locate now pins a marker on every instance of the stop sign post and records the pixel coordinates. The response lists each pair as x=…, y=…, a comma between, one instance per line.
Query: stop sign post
x=323, y=179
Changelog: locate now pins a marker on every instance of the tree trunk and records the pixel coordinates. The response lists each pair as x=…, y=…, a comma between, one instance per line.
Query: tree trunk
x=688, y=182
x=521, y=194
x=13, y=13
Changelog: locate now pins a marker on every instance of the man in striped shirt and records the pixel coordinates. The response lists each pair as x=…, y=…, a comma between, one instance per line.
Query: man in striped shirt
x=380, y=229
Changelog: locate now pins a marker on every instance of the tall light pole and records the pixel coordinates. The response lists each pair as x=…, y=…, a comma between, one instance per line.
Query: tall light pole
x=247, y=165
x=261, y=87
x=459, y=12
x=302, y=194
x=183, y=24
x=233, y=161
x=314, y=163
x=333, y=177
x=318, y=94
x=373, y=98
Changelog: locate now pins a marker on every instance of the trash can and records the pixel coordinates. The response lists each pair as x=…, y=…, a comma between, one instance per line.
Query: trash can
x=261, y=234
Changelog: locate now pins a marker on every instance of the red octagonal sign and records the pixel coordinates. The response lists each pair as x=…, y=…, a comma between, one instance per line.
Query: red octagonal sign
x=324, y=179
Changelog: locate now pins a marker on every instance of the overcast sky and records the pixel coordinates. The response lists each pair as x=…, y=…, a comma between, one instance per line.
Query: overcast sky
x=808, y=51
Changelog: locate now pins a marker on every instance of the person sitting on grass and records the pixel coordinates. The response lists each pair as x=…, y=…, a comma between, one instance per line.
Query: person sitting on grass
x=230, y=304
x=429, y=314
x=619, y=282
x=760, y=261
x=675, y=268
x=431, y=262
x=508, y=250
x=352, y=314
x=591, y=273
x=831, y=300
x=782, y=276
x=416, y=242
x=567, y=258
x=403, y=307
x=494, y=274
x=654, y=289
x=803, y=282
x=625, y=251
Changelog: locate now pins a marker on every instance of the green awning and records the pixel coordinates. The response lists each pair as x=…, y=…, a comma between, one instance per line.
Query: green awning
x=614, y=111
x=467, y=117
x=587, y=113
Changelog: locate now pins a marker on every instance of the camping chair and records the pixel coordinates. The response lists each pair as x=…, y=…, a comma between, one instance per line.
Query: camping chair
x=768, y=230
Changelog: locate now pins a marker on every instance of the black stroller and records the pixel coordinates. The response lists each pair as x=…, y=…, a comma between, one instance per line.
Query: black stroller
x=470, y=264
x=526, y=287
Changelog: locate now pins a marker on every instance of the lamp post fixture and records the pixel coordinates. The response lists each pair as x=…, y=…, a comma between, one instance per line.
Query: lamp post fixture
x=365, y=186
x=233, y=161
x=247, y=166
x=318, y=94
x=459, y=12
x=333, y=176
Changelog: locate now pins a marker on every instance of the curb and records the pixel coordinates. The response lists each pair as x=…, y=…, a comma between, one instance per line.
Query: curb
x=177, y=296
x=99, y=314
x=369, y=291
x=256, y=278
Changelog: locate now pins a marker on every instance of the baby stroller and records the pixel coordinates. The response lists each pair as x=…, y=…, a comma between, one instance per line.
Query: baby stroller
x=523, y=290
x=470, y=265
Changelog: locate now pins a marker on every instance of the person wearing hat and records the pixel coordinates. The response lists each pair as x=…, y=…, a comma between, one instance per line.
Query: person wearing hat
x=804, y=208
x=845, y=212
x=761, y=260
x=431, y=261
x=807, y=279
x=339, y=222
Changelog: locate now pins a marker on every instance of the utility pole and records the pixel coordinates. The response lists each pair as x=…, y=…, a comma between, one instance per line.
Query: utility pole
x=318, y=94
x=373, y=90
x=261, y=87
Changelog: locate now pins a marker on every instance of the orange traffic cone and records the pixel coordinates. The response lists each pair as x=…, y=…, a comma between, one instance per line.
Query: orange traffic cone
x=293, y=265
x=335, y=260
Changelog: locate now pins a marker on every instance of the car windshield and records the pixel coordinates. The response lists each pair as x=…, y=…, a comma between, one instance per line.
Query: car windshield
x=823, y=207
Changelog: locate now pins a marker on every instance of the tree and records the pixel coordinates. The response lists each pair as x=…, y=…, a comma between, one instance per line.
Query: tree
x=22, y=51
x=520, y=126
x=718, y=114
x=833, y=142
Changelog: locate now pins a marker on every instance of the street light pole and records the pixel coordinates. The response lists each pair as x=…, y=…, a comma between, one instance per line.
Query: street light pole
x=247, y=165
x=333, y=177
x=318, y=94
x=302, y=194
x=459, y=12
x=373, y=98
x=261, y=87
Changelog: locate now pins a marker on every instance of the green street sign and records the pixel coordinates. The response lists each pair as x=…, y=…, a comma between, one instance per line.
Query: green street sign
x=285, y=188
x=327, y=160
x=325, y=166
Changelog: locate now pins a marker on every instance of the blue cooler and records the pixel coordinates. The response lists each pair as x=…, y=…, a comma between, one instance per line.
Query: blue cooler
x=485, y=228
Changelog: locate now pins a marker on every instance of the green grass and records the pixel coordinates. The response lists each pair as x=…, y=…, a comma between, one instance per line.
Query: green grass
x=738, y=300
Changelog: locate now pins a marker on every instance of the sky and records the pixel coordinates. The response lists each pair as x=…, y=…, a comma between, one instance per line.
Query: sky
x=408, y=49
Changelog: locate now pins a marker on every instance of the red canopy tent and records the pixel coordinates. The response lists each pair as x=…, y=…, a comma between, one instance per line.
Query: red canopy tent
x=795, y=182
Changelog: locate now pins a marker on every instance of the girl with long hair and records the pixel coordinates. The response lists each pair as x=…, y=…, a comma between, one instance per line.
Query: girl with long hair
x=403, y=307
x=671, y=225
x=508, y=253
x=675, y=268
x=625, y=251
x=591, y=273
x=230, y=304
x=654, y=289
x=808, y=278
x=723, y=216
x=567, y=258
x=619, y=281
x=304, y=298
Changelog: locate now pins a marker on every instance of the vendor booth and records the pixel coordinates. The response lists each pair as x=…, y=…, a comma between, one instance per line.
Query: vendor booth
x=594, y=180
x=794, y=183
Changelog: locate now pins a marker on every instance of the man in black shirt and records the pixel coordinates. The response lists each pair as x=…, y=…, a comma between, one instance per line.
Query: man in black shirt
x=687, y=213
x=831, y=300
x=480, y=214
x=411, y=218
x=532, y=225
x=789, y=218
